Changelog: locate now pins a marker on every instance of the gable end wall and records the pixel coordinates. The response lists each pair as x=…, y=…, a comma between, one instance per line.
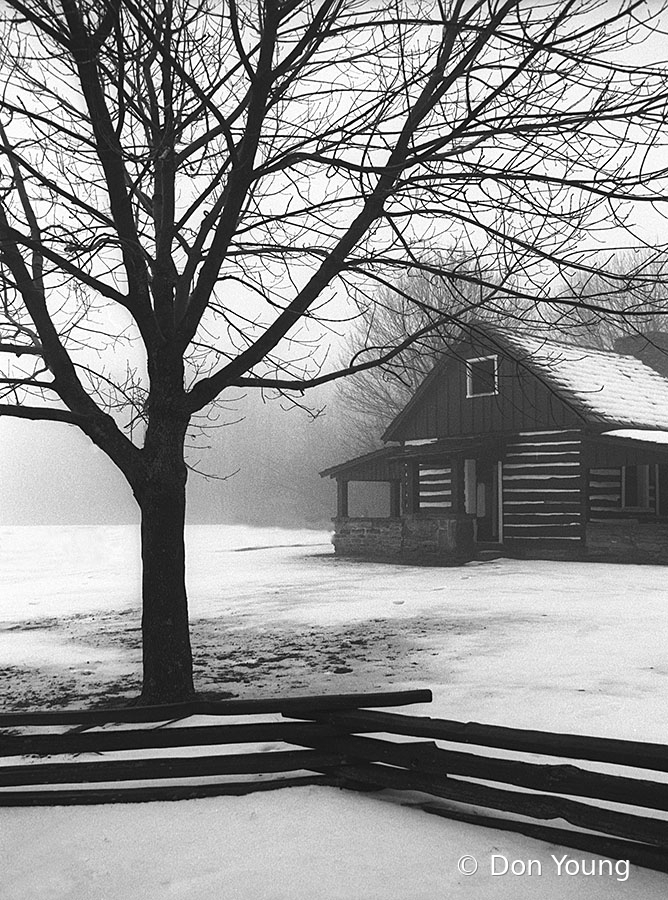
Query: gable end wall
x=523, y=403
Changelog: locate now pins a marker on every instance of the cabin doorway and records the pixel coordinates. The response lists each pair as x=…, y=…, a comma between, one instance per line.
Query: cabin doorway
x=481, y=491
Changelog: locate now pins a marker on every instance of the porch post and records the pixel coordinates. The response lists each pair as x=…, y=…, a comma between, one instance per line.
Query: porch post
x=341, y=498
x=411, y=488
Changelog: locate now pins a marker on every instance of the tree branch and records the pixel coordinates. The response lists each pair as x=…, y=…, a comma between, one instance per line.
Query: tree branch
x=20, y=350
x=41, y=414
x=110, y=156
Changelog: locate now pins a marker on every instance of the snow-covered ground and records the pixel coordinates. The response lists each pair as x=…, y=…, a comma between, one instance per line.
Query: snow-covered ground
x=557, y=646
x=294, y=844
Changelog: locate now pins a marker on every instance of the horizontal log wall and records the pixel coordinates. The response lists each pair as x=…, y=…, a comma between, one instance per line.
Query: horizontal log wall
x=435, y=487
x=604, y=493
x=542, y=497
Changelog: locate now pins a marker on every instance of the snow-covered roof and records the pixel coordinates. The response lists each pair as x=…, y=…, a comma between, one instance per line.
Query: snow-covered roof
x=604, y=386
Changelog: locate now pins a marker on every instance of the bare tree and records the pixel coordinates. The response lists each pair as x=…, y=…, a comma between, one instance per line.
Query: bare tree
x=187, y=185
x=625, y=295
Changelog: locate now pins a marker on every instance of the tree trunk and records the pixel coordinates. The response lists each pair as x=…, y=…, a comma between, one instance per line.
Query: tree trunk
x=167, y=656
x=160, y=491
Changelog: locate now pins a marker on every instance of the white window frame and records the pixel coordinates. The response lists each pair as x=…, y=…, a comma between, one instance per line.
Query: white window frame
x=469, y=378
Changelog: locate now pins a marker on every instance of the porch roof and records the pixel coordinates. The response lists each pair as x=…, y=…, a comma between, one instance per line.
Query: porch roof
x=375, y=456
x=646, y=443
x=639, y=436
x=386, y=464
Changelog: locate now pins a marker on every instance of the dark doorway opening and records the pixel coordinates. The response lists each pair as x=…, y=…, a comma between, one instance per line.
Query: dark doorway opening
x=487, y=500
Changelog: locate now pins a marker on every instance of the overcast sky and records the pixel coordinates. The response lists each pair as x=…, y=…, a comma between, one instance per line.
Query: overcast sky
x=52, y=473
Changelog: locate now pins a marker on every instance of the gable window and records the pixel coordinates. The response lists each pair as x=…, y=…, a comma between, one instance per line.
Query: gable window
x=482, y=376
x=637, y=487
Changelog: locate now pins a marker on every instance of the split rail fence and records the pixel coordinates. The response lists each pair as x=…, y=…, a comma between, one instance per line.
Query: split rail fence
x=326, y=740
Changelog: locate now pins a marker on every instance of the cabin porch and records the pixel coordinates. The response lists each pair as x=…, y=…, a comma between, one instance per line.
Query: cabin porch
x=433, y=502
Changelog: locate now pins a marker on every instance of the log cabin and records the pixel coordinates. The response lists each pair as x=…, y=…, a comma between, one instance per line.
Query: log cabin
x=521, y=446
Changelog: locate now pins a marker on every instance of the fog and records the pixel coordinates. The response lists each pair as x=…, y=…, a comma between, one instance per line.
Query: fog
x=266, y=469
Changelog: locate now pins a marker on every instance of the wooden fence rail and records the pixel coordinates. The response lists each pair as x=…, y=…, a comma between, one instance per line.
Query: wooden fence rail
x=285, y=705
x=328, y=742
x=427, y=768
x=27, y=781
x=638, y=754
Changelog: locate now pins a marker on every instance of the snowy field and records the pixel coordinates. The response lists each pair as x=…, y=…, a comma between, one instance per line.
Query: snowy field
x=556, y=646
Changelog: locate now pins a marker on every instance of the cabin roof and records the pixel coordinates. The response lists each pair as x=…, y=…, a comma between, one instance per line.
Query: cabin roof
x=605, y=388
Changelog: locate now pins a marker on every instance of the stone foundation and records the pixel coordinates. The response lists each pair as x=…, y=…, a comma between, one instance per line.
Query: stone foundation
x=378, y=538
x=627, y=540
x=448, y=540
x=439, y=540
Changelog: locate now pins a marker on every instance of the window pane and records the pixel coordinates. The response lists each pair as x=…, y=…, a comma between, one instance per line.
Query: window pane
x=631, y=486
x=369, y=498
x=482, y=376
x=637, y=487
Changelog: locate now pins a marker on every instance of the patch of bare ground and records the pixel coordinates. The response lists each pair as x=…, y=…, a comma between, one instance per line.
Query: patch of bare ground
x=232, y=658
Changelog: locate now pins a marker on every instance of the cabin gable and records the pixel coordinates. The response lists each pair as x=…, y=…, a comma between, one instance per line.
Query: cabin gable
x=453, y=399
